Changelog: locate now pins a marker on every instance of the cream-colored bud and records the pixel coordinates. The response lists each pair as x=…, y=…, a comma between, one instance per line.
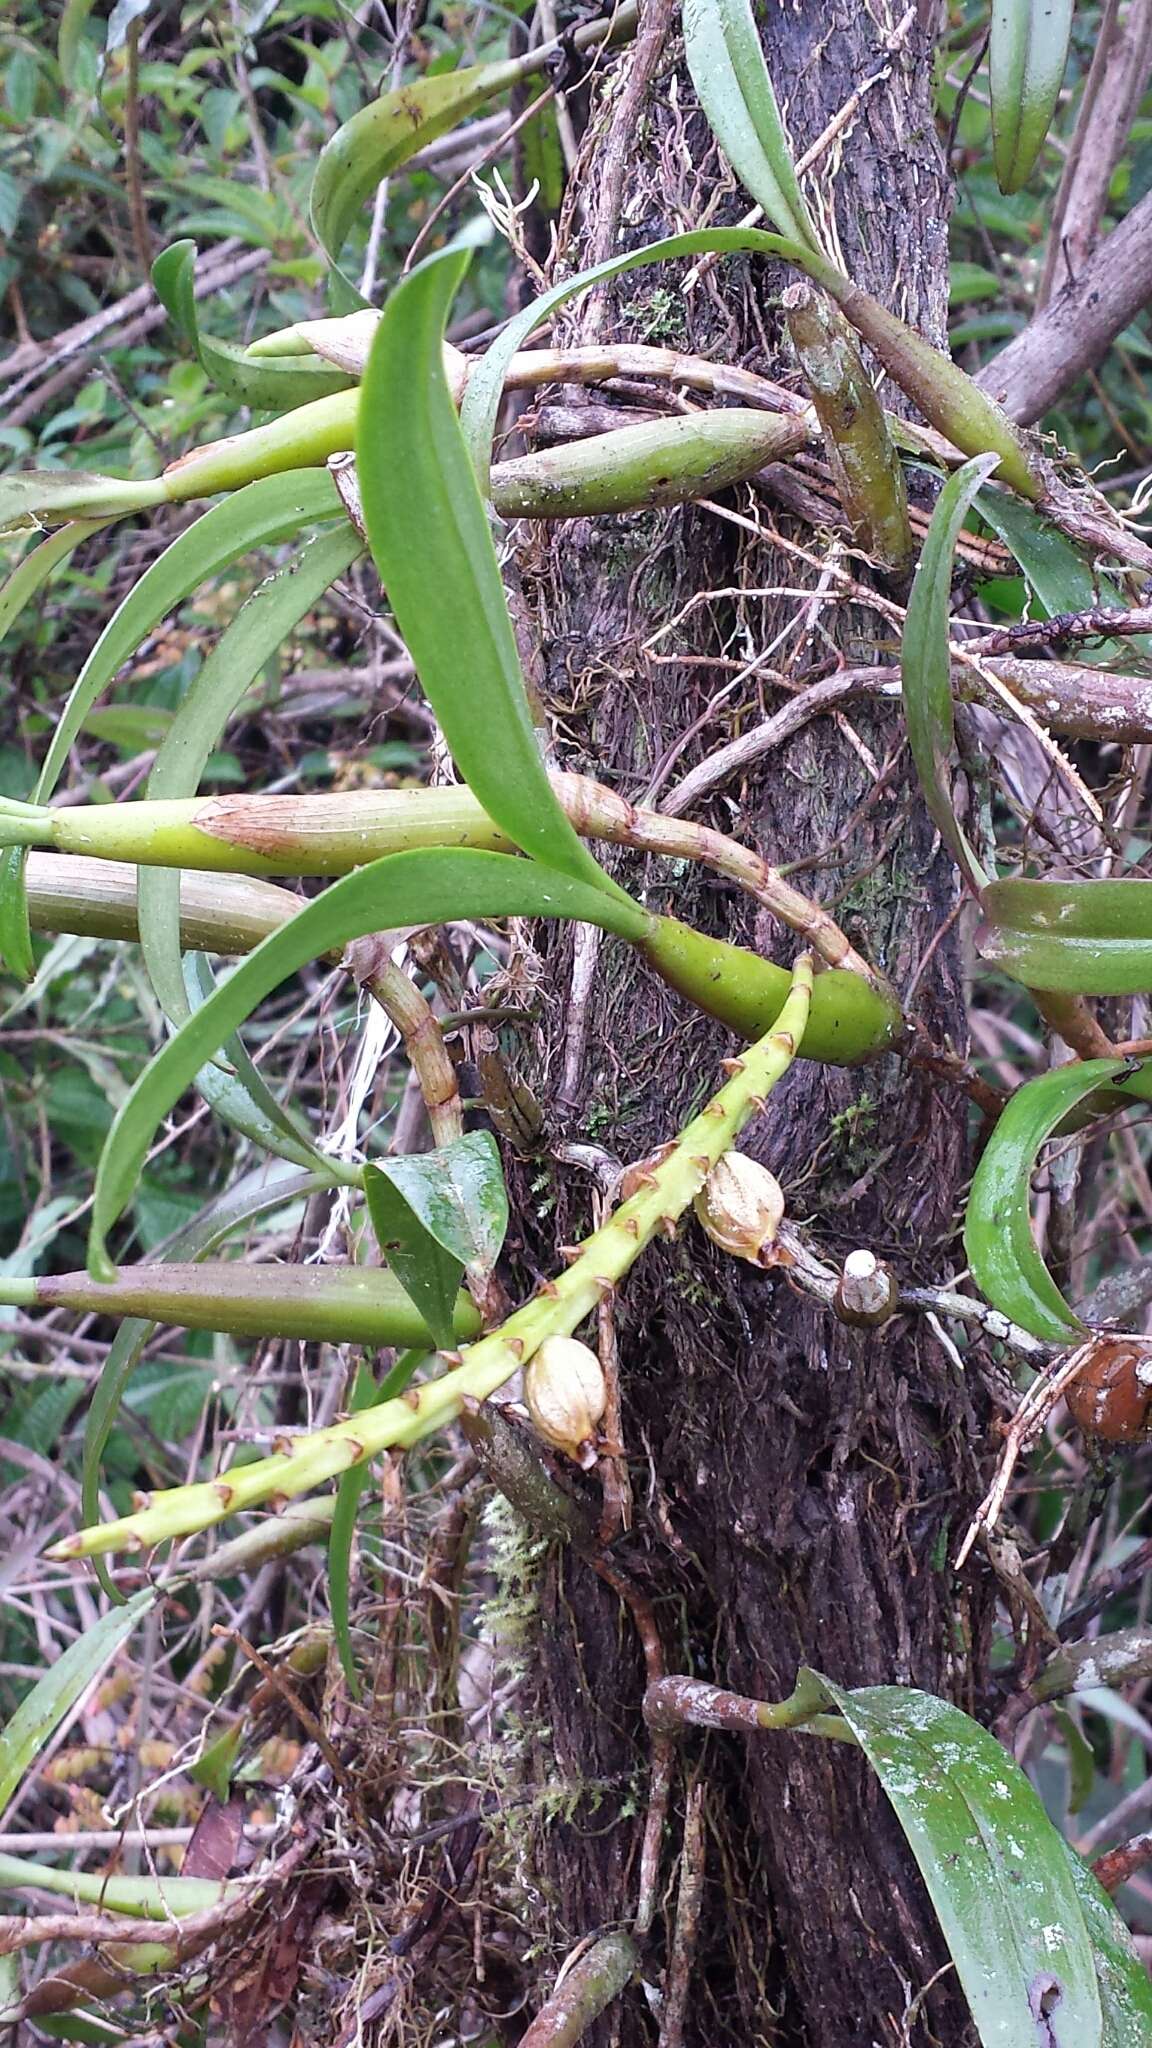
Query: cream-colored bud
x=565, y=1395
x=867, y=1293
x=741, y=1206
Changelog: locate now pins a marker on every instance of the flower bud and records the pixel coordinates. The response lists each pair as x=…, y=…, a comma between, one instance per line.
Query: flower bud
x=740, y=1206
x=565, y=1395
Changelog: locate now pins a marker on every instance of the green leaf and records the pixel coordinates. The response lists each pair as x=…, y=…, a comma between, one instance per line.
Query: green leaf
x=53, y=1696
x=214, y=1766
x=430, y=538
x=458, y=1195
x=32, y=573
x=69, y=38
x=262, y=514
x=1062, y=578
x=1026, y=58
x=430, y=887
x=198, y=1238
x=996, y=1870
x=726, y=62
x=1002, y=1254
x=381, y=137
x=260, y=626
x=365, y=1394
x=926, y=667
x=1125, y=1986
x=276, y=385
x=1085, y=938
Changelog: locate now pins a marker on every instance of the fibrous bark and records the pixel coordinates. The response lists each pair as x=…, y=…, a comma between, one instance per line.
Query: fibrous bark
x=798, y=1485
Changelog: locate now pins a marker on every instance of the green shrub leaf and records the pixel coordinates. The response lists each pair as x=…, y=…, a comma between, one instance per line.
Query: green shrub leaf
x=926, y=668
x=996, y=1870
x=435, y=1213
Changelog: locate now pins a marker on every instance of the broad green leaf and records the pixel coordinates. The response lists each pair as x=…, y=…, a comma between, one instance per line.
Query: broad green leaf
x=381, y=137
x=1026, y=58
x=142, y=1898
x=726, y=62
x=996, y=1870
x=1125, y=1986
x=458, y=1194
x=426, y=1270
x=262, y=514
x=1085, y=938
x=275, y=385
x=1062, y=578
x=1002, y=1254
x=33, y=572
x=402, y=889
x=203, y=1235
x=69, y=37
x=431, y=542
x=53, y=1696
x=926, y=665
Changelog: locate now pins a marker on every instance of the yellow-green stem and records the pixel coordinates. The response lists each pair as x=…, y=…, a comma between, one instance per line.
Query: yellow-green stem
x=557, y=1310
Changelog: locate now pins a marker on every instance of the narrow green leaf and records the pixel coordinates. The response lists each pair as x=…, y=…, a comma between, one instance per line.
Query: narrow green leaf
x=69, y=38
x=430, y=538
x=275, y=384
x=53, y=1696
x=1026, y=58
x=260, y=626
x=266, y=512
x=1002, y=1254
x=1081, y=1760
x=381, y=137
x=1063, y=579
x=430, y=887
x=203, y=1235
x=32, y=573
x=426, y=1271
x=926, y=668
x=1125, y=1986
x=365, y=1394
x=996, y=1870
x=1084, y=938
x=726, y=62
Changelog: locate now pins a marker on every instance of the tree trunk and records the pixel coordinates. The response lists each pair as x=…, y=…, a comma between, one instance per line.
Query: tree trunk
x=799, y=1487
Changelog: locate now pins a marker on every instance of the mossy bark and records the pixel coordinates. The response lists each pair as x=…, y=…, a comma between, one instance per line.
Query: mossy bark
x=798, y=1486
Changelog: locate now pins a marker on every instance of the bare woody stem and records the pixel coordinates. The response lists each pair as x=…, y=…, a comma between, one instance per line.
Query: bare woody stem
x=671, y=1704
x=558, y=1309
x=587, y=1988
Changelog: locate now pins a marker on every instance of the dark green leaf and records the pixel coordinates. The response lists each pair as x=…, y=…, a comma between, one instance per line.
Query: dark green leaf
x=1061, y=577
x=425, y=1270
x=1125, y=1986
x=926, y=666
